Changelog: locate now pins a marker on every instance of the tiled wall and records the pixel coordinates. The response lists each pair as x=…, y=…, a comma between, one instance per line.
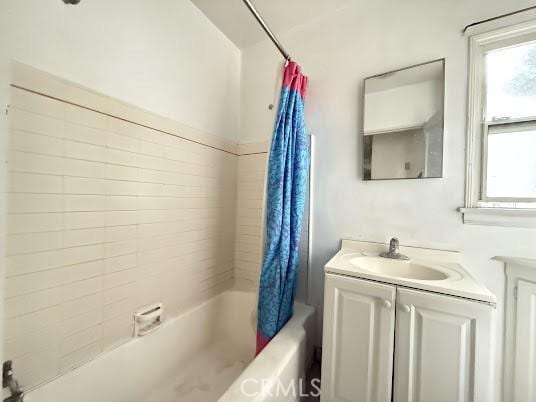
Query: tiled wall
x=106, y=216
x=252, y=165
x=249, y=218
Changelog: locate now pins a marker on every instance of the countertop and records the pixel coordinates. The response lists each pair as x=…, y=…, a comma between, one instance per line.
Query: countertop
x=461, y=284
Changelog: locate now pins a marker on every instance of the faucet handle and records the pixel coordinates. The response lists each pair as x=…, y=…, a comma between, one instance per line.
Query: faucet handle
x=8, y=381
x=394, y=245
x=7, y=373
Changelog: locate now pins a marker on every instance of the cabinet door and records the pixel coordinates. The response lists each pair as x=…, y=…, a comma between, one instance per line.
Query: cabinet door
x=357, y=351
x=442, y=349
x=525, y=343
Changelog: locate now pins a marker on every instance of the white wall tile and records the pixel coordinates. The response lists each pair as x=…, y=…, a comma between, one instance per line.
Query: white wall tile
x=116, y=331
x=85, y=117
x=86, y=316
x=151, y=148
x=35, y=123
x=24, y=284
x=250, y=199
x=77, y=255
x=119, y=233
x=82, y=271
x=38, y=368
x=31, y=302
x=118, y=218
x=117, y=172
x=122, y=187
x=35, y=183
x=80, y=339
x=82, y=168
x=33, y=242
x=118, y=293
x=83, y=151
x=120, y=157
x=122, y=142
x=29, y=223
x=76, y=132
x=87, y=186
x=119, y=248
x=106, y=216
x=122, y=203
x=84, y=203
x=36, y=143
x=86, y=287
x=83, y=237
x=27, y=101
x=81, y=220
x=34, y=262
x=34, y=163
x=71, y=310
x=31, y=343
x=30, y=203
x=79, y=357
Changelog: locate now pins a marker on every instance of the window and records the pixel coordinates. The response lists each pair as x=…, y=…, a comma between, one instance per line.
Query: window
x=510, y=124
x=501, y=160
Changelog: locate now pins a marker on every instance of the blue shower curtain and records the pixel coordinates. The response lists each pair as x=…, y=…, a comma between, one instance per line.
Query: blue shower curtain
x=288, y=169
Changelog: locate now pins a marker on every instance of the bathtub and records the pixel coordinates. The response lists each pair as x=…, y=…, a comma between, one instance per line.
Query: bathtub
x=203, y=355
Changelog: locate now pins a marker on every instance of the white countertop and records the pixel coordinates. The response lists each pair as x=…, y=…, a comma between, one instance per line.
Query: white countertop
x=461, y=285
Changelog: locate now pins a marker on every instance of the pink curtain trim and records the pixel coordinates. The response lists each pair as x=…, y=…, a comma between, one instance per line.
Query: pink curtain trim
x=294, y=79
x=261, y=343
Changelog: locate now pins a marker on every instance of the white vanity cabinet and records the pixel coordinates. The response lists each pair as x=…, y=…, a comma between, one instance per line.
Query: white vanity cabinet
x=385, y=342
x=520, y=333
x=359, y=322
x=442, y=346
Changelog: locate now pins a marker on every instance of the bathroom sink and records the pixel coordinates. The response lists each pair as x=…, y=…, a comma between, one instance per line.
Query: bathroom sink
x=400, y=268
x=438, y=271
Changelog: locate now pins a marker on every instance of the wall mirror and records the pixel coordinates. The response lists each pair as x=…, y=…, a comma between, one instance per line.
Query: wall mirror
x=403, y=123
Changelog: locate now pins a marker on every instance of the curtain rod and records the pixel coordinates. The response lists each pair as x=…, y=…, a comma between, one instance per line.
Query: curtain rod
x=498, y=17
x=267, y=29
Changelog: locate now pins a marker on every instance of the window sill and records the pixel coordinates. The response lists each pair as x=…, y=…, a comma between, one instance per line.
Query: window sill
x=507, y=217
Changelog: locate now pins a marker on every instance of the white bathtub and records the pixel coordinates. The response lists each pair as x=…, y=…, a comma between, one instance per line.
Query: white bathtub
x=203, y=355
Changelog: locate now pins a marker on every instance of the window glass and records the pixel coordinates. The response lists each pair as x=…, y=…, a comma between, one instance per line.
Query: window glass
x=511, y=82
x=511, y=165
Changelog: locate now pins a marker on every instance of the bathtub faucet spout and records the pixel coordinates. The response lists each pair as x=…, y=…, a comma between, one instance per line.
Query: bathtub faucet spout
x=8, y=381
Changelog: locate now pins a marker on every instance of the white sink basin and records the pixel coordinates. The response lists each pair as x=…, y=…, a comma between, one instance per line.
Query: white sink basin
x=438, y=271
x=401, y=268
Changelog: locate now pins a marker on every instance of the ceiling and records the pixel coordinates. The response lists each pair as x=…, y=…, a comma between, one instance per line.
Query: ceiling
x=234, y=19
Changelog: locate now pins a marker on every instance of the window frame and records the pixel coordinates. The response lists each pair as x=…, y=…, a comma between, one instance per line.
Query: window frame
x=477, y=205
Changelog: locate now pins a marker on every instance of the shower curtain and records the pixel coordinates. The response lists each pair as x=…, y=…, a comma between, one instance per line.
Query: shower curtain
x=288, y=168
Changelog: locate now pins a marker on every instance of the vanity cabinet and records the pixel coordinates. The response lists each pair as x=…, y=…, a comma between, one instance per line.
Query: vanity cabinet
x=442, y=346
x=384, y=342
x=519, y=363
x=357, y=353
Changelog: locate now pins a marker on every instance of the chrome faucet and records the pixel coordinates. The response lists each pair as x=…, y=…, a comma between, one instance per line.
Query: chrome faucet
x=8, y=381
x=394, y=251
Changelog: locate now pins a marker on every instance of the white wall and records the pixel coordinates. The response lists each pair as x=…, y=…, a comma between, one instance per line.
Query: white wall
x=164, y=56
x=338, y=52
